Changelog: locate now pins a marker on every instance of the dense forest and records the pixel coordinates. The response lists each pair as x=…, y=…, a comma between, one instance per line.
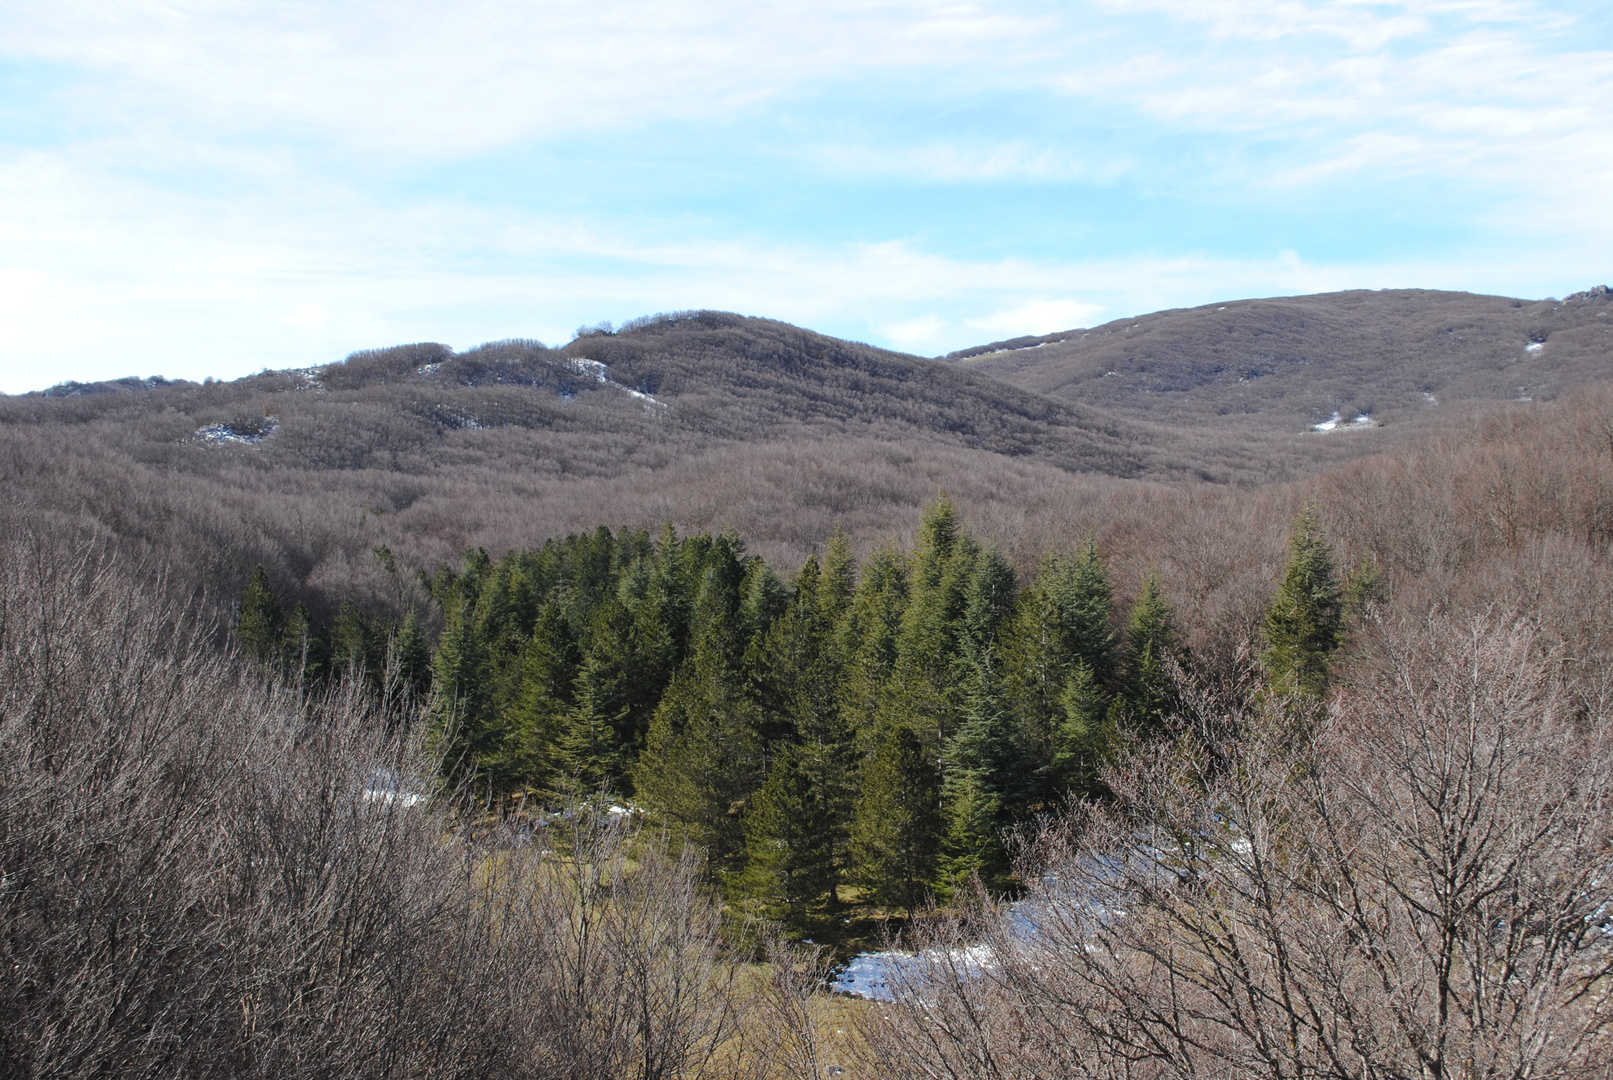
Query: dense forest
x=339, y=737
x=882, y=727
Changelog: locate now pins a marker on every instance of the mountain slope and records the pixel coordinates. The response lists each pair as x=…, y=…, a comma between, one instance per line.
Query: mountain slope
x=1289, y=363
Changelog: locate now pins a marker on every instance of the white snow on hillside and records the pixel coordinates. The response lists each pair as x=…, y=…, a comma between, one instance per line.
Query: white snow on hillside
x=1338, y=423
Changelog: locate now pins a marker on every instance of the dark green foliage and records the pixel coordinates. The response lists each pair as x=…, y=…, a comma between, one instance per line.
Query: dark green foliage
x=1080, y=738
x=895, y=833
x=1061, y=643
x=1150, y=647
x=702, y=757
x=411, y=657
x=304, y=654
x=1305, y=621
x=260, y=621
x=791, y=829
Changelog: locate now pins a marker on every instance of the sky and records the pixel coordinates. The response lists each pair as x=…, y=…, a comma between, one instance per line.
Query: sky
x=194, y=188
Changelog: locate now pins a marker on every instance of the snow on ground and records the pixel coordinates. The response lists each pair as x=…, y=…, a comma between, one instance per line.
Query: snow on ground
x=1535, y=348
x=224, y=433
x=1430, y=398
x=1338, y=423
x=386, y=787
x=596, y=369
x=868, y=975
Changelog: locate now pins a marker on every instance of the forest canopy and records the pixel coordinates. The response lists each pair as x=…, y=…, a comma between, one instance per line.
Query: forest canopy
x=880, y=726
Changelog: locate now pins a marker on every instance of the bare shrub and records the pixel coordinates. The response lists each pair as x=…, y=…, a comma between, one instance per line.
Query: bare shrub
x=1415, y=884
x=205, y=875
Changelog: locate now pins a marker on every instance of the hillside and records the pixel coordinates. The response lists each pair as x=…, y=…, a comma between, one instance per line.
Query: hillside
x=715, y=421
x=1289, y=363
x=654, y=393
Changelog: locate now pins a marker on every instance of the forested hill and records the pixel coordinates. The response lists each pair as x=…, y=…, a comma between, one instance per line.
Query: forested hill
x=1287, y=363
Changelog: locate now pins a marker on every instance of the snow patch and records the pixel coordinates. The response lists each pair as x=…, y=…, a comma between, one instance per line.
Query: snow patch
x=1430, y=398
x=1535, y=348
x=1338, y=423
x=869, y=975
x=228, y=433
x=595, y=369
x=428, y=369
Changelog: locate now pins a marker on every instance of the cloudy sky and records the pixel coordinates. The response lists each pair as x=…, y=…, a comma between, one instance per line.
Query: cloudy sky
x=210, y=187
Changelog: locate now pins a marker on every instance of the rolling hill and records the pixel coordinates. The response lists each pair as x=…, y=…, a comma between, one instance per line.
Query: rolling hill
x=1289, y=363
x=713, y=420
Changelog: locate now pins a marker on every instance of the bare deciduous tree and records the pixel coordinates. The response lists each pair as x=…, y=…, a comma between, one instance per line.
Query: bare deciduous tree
x=1417, y=884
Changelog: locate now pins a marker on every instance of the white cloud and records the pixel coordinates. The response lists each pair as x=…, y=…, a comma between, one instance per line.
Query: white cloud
x=109, y=278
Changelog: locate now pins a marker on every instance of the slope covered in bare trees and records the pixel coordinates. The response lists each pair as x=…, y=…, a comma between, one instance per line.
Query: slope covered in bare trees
x=1287, y=363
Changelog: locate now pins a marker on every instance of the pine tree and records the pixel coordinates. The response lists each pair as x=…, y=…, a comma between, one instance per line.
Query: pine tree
x=585, y=753
x=409, y=661
x=303, y=652
x=354, y=644
x=790, y=824
x=1149, y=649
x=1304, y=623
x=868, y=637
x=549, y=676
x=702, y=757
x=1081, y=738
x=895, y=833
x=261, y=621
x=977, y=765
x=1061, y=632
x=924, y=690
x=459, y=720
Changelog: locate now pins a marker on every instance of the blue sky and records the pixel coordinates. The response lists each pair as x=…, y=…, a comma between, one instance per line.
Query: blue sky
x=210, y=187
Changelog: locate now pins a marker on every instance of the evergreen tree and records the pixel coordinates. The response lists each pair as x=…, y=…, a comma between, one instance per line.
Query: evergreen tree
x=791, y=857
x=1304, y=623
x=924, y=691
x=303, y=651
x=409, y=660
x=895, y=836
x=1149, y=648
x=702, y=757
x=549, y=676
x=868, y=637
x=586, y=752
x=1081, y=737
x=839, y=580
x=261, y=621
x=459, y=720
x=355, y=647
x=1061, y=633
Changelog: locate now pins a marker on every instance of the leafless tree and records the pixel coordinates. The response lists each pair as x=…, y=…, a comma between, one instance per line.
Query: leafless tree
x=1416, y=884
x=203, y=874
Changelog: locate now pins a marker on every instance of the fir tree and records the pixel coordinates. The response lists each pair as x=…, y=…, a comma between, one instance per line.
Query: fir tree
x=1081, y=737
x=790, y=824
x=261, y=621
x=1149, y=649
x=1304, y=623
x=302, y=650
x=895, y=833
x=924, y=690
x=459, y=721
x=409, y=660
x=354, y=644
x=549, y=677
x=702, y=757
x=868, y=637
x=1062, y=633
